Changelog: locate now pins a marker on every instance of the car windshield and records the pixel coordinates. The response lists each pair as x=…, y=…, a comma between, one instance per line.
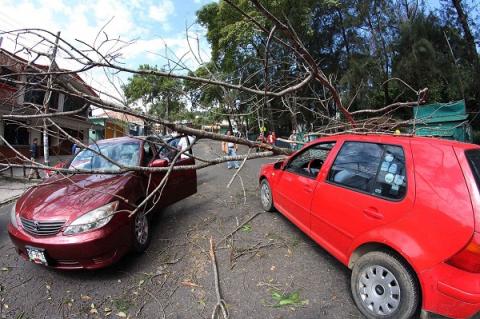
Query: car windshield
x=127, y=154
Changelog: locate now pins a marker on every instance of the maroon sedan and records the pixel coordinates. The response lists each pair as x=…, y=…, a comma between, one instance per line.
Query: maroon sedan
x=82, y=220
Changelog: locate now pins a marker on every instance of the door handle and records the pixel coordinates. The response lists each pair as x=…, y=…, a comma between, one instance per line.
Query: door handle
x=373, y=213
x=307, y=189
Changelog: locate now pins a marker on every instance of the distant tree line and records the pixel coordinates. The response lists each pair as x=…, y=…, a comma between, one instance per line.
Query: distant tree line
x=375, y=52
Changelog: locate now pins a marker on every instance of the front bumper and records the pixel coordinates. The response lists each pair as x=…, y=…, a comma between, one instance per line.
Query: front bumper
x=450, y=291
x=91, y=250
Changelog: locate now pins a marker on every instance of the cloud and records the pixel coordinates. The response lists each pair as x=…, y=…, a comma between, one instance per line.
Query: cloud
x=84, y=19
x=162, y=12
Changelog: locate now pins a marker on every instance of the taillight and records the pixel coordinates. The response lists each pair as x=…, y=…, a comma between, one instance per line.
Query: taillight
x=468, y=258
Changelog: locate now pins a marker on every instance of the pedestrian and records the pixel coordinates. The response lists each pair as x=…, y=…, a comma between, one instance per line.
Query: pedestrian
x=230, y=149
x=271, y=138
x=74, y=148
x=260, y=139
x=185, y=141
x=33, y=157
x=293, y=139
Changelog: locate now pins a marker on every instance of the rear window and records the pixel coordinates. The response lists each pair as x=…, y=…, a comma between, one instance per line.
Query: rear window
x=473, y=157
x=376, y=169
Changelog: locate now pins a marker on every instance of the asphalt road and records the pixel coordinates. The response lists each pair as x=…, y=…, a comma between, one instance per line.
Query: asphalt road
x=173, y=279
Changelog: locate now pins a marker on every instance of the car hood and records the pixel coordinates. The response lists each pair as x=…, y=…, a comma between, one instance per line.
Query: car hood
x=67, y=198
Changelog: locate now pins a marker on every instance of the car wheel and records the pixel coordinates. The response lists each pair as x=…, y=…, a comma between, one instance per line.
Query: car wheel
x=384, y=287
x=141, y=232
x=266, y=196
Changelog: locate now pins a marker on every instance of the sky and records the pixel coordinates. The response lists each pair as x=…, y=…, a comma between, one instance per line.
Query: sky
x=158, y=27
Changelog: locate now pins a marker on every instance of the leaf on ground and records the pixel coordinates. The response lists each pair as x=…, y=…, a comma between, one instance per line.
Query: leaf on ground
x=247, y=228
x=293, y=299
x=121, y=314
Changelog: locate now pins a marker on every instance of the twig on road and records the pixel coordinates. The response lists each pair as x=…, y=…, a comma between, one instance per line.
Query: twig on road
x=240, y=226
x=239, y=169
x=158, y=302
x=220, y=302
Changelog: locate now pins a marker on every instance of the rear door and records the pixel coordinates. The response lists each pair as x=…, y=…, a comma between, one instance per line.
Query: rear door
x=366, y=187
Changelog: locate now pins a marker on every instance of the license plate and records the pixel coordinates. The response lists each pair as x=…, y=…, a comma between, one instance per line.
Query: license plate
x=37, y=255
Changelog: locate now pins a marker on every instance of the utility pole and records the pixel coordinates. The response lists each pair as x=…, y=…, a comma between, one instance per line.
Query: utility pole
x=46, y=101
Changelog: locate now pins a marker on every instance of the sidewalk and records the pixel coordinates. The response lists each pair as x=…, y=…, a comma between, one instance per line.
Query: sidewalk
x=13, y=182
x=19, y=172
x=10, y=189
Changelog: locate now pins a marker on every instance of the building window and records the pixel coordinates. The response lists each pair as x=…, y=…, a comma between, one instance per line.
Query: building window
x=73, y=103
x=16, y=134
x=7, y=76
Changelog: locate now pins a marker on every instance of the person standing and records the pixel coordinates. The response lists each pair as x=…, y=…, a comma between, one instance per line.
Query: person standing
x=271, y=138
x=293, y=139
x=33, y=158
x=74, y=148
x=230, y=149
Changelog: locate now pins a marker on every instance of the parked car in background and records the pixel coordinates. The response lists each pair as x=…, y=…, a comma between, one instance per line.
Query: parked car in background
x=402, y=212
x=82, y=220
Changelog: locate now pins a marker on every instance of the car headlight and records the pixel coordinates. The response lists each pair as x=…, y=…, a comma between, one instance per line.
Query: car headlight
x=94, y=219
x=13, y=216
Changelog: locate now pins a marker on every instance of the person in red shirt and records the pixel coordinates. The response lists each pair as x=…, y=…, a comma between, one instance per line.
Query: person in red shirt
x=271, y=138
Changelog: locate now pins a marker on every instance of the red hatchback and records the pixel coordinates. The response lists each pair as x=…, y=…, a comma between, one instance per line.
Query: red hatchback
x=402, y=212
x=81, y=221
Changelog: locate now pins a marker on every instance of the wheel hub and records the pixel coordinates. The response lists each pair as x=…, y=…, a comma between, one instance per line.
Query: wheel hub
x=379, y=290
x=265, y=195
x=141, y=228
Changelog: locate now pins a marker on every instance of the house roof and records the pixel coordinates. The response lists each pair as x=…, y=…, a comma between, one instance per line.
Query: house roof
x=21, y=63
x=127, y=118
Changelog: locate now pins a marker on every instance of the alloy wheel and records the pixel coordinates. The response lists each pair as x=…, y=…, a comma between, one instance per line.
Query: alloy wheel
x=379, y=290
x=265, y=195
x=141, y=228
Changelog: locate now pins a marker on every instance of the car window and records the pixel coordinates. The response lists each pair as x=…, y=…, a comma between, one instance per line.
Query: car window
x=473, y=157
x=376, y=169
x=169, y=152
x=310, y=161
x=147, y=153
x=391, y=181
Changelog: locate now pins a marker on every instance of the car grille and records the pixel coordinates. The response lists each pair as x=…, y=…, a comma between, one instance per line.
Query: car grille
x=36, y=227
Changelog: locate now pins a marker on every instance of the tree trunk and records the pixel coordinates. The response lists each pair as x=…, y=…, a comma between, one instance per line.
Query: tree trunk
x=462, y=17
x=471, y=47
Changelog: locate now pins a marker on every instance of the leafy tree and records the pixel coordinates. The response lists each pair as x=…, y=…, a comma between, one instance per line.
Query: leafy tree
x=159, y=95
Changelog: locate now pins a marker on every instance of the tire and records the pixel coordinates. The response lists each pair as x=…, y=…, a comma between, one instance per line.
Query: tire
x=383, y=286
x=266, y=196
x=142, y=232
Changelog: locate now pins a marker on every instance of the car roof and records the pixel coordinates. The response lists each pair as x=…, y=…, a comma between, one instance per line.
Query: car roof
x=121, y=139
x=395, y=138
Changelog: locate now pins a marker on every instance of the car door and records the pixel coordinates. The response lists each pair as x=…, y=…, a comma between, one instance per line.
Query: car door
x=366, y=187
x=181, y=183
x=185, y=183
x=296, y=184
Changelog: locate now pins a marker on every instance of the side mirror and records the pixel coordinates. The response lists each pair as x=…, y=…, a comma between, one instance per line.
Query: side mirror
x=49, y=173
x=158, y=163
x=278, y=165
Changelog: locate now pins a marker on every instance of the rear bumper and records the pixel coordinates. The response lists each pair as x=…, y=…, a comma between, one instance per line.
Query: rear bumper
x=450, y=292
x=92, y=250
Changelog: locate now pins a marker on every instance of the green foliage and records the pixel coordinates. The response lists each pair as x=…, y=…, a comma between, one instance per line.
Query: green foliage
x=160, y=95
x=288, y=300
